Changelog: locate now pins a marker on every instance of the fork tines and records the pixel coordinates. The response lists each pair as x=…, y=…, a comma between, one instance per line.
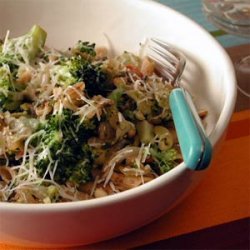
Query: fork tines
x=169, y=62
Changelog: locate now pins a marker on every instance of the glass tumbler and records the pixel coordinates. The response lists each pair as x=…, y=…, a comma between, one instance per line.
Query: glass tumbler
x=233, y=17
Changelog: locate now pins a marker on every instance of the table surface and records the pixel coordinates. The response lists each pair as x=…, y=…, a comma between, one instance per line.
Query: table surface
x=221, y=198
x=219, y=218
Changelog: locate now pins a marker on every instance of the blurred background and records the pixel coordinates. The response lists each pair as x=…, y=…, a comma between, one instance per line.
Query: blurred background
x=193, y=9
x=236, y=46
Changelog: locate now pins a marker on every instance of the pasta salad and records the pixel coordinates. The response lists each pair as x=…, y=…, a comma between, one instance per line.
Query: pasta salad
x=77, y=124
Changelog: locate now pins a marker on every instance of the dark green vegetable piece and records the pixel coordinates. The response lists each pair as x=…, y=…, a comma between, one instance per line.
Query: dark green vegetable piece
x=125, y=104
x=164, y=160
x=86, y=48
x=8, y=98
x=21, y=49
x=95, y=79
x=25, y=47
x=36, y=42
x=65, y=141
x=77, y=69
x=80, y=67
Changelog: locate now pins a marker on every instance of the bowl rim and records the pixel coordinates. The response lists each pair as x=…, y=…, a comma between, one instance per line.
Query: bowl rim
x=221, y=125
x=97, y=202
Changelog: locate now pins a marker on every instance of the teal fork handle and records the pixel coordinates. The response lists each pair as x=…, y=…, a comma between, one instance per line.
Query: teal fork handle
x=195, y=146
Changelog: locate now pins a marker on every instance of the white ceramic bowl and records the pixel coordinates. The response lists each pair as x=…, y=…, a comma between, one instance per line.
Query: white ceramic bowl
x=123, y=25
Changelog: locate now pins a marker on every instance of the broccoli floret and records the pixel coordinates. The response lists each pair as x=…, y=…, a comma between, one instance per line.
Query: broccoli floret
x=80, y=67
x=8, y=60
x=124, y=103
x=95, y=79
x=63, y=74
x=86, y=49
x=3, y=100
x=76, y=69
x=8, y=99
x=66, y=145
x=10, y=103
x=26, y=47
x=82, y=172
x=164, y=160
x=5, y=80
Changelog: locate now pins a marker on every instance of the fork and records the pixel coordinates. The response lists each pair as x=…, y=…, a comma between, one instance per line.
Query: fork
x=194, y=144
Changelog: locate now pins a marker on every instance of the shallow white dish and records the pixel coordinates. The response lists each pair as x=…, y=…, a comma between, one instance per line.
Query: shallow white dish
x=123, y=25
